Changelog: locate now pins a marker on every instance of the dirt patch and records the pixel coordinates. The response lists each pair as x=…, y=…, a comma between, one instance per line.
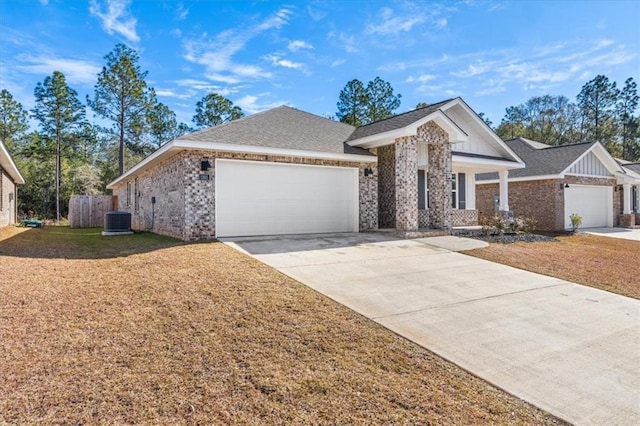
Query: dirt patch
x=610, y=264
x=201, y=334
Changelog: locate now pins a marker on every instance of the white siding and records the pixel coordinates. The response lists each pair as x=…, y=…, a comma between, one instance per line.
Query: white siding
x=589, y=165
x=479, y=141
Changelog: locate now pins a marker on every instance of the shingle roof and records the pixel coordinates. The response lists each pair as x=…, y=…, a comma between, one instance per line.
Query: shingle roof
x=632, y=166
x=395, y=122
x=282, y=127
x=541, y=159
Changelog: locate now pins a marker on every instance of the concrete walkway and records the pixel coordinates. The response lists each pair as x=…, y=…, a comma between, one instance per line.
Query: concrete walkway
x=624, y=233
x=571, y=350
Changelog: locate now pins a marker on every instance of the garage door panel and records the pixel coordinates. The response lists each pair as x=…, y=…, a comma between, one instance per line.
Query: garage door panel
x=593, y=203
x=262, y=198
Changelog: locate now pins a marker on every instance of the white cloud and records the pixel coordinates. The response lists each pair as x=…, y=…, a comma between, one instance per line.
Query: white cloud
x=251, y=104
x=76, y=71
x=116, y=18
x=390, y=24
x=296, y=45
x=348, y=42
x=421, y=78
x=216, y=54
x=285, y=63
x=338, y=62
x=181, y=12
x=44, y=2
x=441, y=23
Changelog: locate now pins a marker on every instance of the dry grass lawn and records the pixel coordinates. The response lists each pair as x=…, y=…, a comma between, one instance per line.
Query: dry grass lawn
x=144, y=329
x=610, y=264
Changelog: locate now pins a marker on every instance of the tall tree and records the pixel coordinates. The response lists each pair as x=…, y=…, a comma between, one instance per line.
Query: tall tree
x=597, y=101
x=629, y=125
x=121, y=95
x=13, y=119
x=549, y=119
x=214, y=109
x=60, y=114
x=381, y=101
x=352, y=103
x=421, y=105
x=162, y=122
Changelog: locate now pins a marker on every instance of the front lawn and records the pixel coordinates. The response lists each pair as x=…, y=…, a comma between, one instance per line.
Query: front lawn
x=610, y=264
x=147, y=330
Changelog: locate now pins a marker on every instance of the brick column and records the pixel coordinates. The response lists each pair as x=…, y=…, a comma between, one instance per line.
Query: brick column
x=386, y=186
x=406, y=183
x=439, y=181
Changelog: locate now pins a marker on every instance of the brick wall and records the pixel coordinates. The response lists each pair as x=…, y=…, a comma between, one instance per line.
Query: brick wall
x=387, y=186
x=439, y=179
x=406, y=183
x=7, y=208
x=542, y=200
x=185, y=205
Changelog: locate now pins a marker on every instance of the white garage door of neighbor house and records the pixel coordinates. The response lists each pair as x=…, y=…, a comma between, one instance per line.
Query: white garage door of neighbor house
x=262, y=198
x=593, y=203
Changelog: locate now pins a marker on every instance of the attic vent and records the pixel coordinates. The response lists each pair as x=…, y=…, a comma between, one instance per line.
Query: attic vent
x=117, y=223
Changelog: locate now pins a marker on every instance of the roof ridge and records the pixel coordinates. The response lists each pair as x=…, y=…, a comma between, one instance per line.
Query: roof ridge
x=243, y=118
x=570, y=144
x=406, y=112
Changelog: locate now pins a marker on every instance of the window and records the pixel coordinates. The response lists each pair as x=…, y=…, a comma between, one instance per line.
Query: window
x=136, y=195
x=454, y=191
x=128, y=194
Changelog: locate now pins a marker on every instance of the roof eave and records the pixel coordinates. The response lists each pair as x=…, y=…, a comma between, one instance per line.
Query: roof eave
x=181, y=145
x=9, y=166
x=456, y=134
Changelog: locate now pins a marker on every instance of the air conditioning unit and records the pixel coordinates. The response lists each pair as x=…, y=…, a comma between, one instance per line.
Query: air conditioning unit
x=117, y=222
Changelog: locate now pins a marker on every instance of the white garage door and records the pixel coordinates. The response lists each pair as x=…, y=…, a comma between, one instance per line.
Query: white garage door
x=261, y=198
x=593, y=203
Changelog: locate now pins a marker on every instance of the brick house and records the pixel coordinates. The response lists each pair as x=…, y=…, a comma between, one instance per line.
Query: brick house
x=560, y=180
x=10, y=178
x=286, y=171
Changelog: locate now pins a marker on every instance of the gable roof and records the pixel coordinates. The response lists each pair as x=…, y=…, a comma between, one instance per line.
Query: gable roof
x=542, y=159
x=285, y=128
x=635, y=167
x=7, y=164
x=395, y=122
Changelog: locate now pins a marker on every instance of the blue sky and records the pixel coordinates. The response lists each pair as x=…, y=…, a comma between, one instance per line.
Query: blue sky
x=261, y=54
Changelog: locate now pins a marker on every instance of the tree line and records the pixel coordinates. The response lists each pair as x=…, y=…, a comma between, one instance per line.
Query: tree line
x=602, y=112
x=68, y=154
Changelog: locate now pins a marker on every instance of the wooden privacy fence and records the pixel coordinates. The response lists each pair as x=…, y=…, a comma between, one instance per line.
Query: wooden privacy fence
x=87, y=211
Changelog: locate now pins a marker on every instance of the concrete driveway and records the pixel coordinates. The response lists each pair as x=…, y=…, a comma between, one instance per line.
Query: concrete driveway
x=624, y=233
x=571, y=350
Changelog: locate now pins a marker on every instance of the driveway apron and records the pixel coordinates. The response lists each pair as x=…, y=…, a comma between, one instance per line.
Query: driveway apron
x=568, y=349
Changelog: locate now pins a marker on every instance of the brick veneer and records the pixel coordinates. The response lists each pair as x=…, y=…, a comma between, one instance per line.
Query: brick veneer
x=406, y=183
x=185, y=205
x=439, y=180
x=7, y=208
x=542, y=199
x=461, y=217
x=386, y=186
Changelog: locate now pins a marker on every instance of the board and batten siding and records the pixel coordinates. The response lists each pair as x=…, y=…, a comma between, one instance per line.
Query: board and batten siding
x=589, y=165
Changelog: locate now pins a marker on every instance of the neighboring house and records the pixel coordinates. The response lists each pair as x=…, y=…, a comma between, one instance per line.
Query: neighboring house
x=286, y=171
x=10, y=178
x=630, y=194
x=558, y=181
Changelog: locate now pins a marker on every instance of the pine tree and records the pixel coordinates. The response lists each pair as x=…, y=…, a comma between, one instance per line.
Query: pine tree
x=214, y=109
x=352, y=103
x=13, y=120
x=60, y=114
x=121, y=95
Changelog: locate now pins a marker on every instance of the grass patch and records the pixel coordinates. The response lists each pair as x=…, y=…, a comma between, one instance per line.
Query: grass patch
x=610, y=264
x=177, y=333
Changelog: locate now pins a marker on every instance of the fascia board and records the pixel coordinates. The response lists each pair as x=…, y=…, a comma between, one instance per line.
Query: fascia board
x=180, y=145
x=387, y=138
x=487, y=163
x=7, y=164
x=521, y=179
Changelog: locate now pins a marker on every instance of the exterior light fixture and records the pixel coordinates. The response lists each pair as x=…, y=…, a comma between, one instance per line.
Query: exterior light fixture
x=368, y=171
x=205, y=165
x=566, y=185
